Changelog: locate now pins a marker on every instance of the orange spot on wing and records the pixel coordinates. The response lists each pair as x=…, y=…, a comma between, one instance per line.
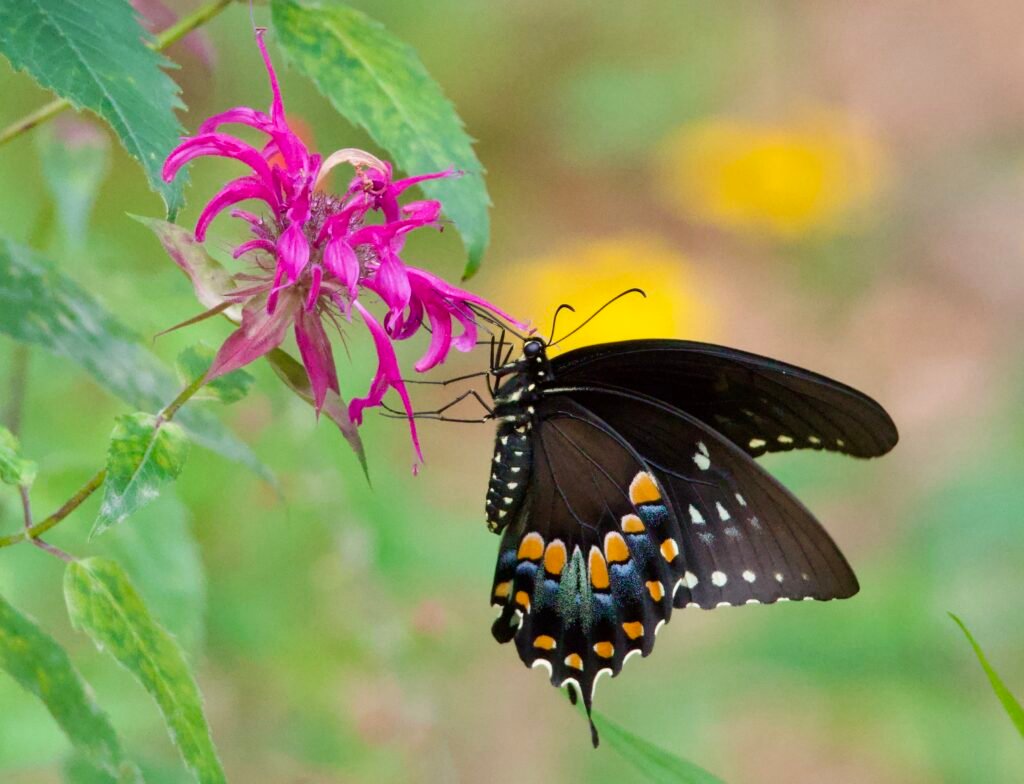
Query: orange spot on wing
x=554, y=558
x=633, y=629
x=531, y=548
x=501, y=589
x=523, y=600
x=643, y=489
x=656, y=590
x=669, y=549
x=632, y=524
x=574, y=660
x=615, y=549
x=604, y=649
x=545, y=642
x=598, y=570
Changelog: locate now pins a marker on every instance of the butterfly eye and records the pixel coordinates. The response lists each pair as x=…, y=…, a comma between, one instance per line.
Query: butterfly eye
x=533, y=348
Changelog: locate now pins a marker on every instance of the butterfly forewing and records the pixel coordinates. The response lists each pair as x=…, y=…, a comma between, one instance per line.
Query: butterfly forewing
x=760, y=404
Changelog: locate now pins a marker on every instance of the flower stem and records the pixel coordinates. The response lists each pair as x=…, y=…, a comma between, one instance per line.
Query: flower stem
x=33, y=531
x=19, y=378
x=172, y=34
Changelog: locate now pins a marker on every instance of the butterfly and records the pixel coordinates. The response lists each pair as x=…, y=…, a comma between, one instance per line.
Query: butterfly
x=623, y=485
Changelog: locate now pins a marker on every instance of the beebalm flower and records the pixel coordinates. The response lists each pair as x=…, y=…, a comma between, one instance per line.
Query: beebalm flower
x=315, y=258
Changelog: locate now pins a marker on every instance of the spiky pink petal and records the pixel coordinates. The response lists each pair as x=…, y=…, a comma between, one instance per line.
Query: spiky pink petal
x=315, y=350
x=242, y=189
x=293, y=251
x=218, y=145
x=259, y=333
x=387, y=376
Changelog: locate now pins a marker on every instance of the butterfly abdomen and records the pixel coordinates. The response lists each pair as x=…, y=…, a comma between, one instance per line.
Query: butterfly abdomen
x=510, y=474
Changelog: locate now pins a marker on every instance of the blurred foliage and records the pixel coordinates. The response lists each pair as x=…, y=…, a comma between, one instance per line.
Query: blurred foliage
x=343, y=633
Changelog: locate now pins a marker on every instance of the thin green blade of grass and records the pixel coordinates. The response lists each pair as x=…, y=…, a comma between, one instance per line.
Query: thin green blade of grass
x=1010, y=703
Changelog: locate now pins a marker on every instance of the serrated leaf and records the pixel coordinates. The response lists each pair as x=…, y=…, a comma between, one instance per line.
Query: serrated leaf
x=14, y=469
x=379, y=82
x=145, y=453
x=293, y=374
x=42, y=667
x=76, y=158
x=104, y=604
x=94, y=54
x=655, y=764
x=42, y=306
x=193, y=363
x=209, y=278
x=1004, y=695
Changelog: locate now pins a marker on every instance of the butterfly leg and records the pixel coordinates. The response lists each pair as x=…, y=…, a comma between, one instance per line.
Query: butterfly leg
x=438, y=413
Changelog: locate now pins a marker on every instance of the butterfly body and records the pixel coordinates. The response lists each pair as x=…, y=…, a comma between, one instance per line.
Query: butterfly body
x=623, y=486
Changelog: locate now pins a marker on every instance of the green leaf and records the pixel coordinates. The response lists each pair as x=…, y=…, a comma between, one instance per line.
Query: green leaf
x=14, y=470
x=161, y=556
x=94, y=54
x=291, y=372
x=145, y=453
x=76, y=158
x=42, y=667
x=103, y=603
x=193, y=363
x=378, y=82
x=1010, y=704
x=655, y=764
x=42, y=306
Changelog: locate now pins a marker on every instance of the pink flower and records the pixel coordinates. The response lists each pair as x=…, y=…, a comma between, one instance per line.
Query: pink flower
x=314, y=257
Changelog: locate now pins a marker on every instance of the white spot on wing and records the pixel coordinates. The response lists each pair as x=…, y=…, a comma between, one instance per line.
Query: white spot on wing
x=545, y=664
x=690, y=580
x=723, y=513
x=695, y=516
x=757, y=443
x=702, y=458
x=719, y=578
x=749, y=576
x=741, y=500
x=785, y=440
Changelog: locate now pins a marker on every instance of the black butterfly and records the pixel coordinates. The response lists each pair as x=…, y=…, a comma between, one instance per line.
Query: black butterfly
x=623, y=485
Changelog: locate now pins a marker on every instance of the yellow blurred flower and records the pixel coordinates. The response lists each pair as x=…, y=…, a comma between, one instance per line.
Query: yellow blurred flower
x=785, y=180
x=587, y=275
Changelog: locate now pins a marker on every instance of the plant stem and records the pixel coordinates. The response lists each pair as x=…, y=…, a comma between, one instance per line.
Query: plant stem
x=19, y=377
x=171, y=35
x=34, y=530
x=26, y=506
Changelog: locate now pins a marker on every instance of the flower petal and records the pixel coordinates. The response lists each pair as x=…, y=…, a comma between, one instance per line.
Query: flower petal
x=341, y=261
x=259, y=333
x=235, y=191
x=316, y=278
x=457, y=295
x=387, y=375
x=315, y=349
x=218, y=145
x=292, y=251
x=440, y=335
x=252, y=245
x=243, y=115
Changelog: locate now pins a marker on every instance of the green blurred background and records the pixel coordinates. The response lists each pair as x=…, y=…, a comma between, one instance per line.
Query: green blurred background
x=838, y=185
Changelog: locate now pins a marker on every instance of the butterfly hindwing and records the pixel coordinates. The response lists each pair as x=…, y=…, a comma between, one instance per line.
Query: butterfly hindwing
x=745, y=539
x=760, y=404
x=582, y=575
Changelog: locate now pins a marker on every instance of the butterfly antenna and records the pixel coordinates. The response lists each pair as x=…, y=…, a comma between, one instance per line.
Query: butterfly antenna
x=554, y=321
x=483, y=314
x=593, y=315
